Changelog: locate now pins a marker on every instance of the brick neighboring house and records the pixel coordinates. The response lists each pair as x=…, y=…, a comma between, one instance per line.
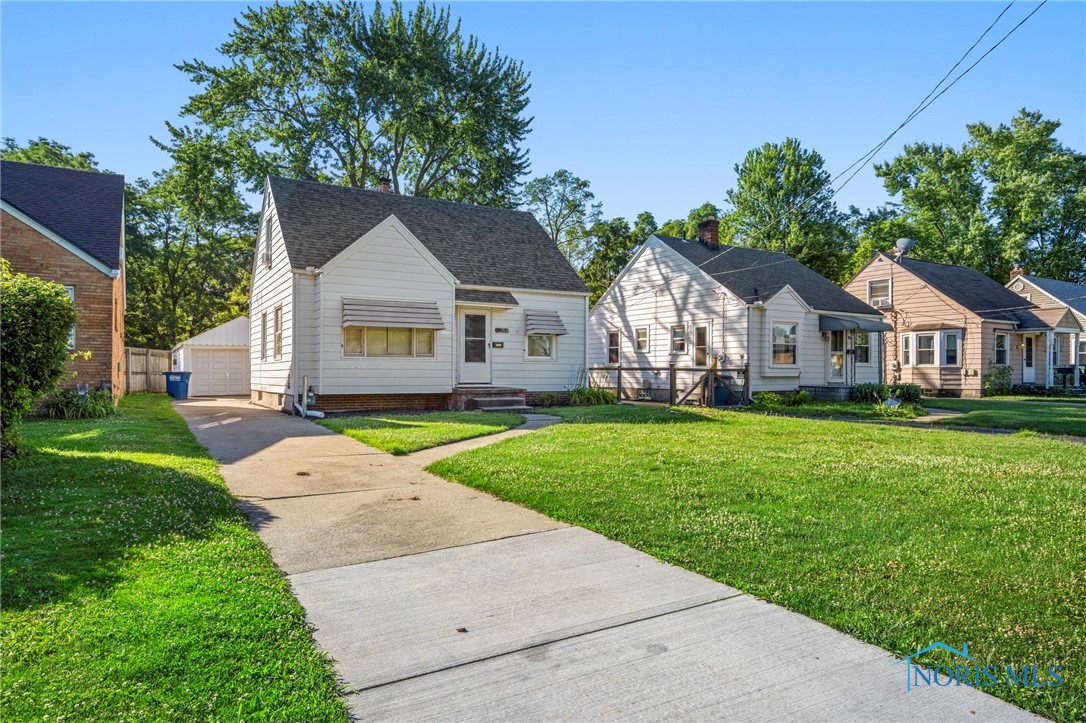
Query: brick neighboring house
x=67, y=226
x=952, y=323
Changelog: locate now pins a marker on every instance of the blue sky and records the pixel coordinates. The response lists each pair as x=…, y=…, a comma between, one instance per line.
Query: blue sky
x=653, y=103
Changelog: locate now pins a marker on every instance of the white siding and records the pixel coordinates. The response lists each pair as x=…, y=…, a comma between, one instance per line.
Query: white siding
x=271, y=286
x=511, y=365
x=307, y=328
x=386, y=265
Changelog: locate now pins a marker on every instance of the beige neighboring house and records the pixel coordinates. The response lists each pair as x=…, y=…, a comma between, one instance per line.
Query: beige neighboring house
x=952, y=324
x=1052, y=294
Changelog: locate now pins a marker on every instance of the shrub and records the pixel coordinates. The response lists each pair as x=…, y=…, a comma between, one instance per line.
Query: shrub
x=910, y=393
x=870, y=393
x=768, y=399
x=585, y=397
x=70, y=405
x=997, y=381
x=38, y=316
x=546, y=399
x=901, y=411
x=796, y=398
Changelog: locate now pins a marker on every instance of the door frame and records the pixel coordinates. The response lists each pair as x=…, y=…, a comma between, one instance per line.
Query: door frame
x=462, y=312
x=1029, y=344
x=843, y=379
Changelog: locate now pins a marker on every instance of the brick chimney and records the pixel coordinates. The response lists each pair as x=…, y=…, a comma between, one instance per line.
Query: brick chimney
x=386, y=184
x=1016, y=272
x=709, y=232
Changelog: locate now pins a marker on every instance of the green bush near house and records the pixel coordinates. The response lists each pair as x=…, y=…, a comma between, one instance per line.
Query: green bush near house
x=997, y=381
x=586, y=397
x=70, y=405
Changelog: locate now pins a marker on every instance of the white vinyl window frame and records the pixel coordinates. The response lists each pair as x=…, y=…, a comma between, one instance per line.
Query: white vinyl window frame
x=266, y=250
x=950, y=341
x=873, y=297
x=422, y=343
x=677, y=336
x=1002, y=354
x=905, y=350
x=794, y=343
x=277, y=332
x=866, y=345
x=702, y=352
x=614, y=350
x=71, y=332
x=922, y=349
x=551, y=347
x=641, y=339
x=263, y=336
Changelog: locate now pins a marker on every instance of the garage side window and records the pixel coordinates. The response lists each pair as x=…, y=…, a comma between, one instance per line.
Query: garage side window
x=278, y=332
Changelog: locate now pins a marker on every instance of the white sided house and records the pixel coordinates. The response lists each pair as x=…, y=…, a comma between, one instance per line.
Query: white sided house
x=218, y=359
x=381, y=301
x=756, y=313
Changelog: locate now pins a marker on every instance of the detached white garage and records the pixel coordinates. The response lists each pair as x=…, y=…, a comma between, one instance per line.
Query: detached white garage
x=218, y=360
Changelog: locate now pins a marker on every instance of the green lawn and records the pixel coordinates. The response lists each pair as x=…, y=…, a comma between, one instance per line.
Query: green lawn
x=133, y=589
x=1050, y=417
x=406, y=433
x=898, y=536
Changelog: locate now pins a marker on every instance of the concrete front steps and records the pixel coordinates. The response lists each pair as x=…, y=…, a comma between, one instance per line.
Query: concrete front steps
x=513, y=405
x=485, y=398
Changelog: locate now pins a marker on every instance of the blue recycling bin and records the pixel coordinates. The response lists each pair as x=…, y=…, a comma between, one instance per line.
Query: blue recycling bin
x=177, y=384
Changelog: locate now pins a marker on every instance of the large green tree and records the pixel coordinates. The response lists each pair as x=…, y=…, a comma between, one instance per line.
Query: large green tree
x=563, y=205
x=614, y=243
x=46, y=152
x=190, y=244
x=1010, y=194
x=783, y=201
x=324, y=91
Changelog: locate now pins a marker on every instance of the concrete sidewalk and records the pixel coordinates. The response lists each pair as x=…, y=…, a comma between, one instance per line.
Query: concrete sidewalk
x=457, y=606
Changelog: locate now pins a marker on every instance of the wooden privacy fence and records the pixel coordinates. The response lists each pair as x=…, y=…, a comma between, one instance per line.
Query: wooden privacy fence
x=143, y=369
x=712, y=387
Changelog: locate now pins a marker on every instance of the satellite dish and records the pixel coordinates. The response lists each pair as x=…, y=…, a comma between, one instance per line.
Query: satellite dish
x=905, y=245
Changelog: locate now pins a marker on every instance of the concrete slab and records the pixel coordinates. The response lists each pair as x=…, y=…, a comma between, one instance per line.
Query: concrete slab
x=394, y=619
x=320, y=499
x=739, y=659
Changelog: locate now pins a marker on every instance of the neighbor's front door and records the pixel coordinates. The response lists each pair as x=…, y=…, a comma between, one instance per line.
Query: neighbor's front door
x=835, y=369
x=1029, y=368
x=474, y=346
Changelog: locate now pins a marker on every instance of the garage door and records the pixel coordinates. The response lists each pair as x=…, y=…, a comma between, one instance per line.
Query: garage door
x=219, y=372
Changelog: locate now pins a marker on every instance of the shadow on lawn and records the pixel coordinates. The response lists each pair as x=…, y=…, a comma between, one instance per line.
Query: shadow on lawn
x=70, y=522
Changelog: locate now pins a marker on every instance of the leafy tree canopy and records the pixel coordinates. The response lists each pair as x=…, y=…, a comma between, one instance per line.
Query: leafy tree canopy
x=783, y=201
x=614, y=244
x=563, y=205
x=323, y=91
x=45, y=152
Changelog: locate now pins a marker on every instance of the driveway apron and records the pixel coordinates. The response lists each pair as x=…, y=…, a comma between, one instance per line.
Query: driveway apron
x=437, y=601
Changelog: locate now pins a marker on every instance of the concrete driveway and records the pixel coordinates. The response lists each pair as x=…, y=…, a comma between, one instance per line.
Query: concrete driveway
x=440, y=602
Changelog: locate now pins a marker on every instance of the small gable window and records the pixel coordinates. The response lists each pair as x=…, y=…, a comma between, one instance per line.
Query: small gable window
x=878, y=293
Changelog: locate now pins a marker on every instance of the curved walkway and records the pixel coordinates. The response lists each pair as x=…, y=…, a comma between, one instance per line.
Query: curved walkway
x=440, y=602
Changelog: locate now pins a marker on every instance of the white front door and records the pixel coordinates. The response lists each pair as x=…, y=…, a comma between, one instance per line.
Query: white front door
x=835, y=363
x=1029, y=368
x=474, y=346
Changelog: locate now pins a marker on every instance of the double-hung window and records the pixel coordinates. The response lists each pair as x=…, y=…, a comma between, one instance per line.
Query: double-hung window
x=612, y=347
x=263, y=336
x=906, y=347
x=678, y=339
x=952, y=354
x=925, y=349
x=278, y=332
x=1082, y=353
x=785, y=342
x=861, y=343
x=1002, y=348
x=701, y=346
x=641, y=338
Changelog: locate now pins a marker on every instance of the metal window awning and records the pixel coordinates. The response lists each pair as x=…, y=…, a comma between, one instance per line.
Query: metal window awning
x=393, y=313
x=537, y=321
x=849, y=323
x=486, y=298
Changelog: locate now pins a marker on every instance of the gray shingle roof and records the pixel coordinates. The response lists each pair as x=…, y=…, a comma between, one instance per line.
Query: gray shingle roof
x=480, y=246
x=1074, y=295
x=756, y=275
x=976, y=292
x=85, y=208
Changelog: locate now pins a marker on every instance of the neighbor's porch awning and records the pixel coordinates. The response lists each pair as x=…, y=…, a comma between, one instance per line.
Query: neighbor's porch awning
x=850, y=323
x=538, y=321
x=392, y=312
